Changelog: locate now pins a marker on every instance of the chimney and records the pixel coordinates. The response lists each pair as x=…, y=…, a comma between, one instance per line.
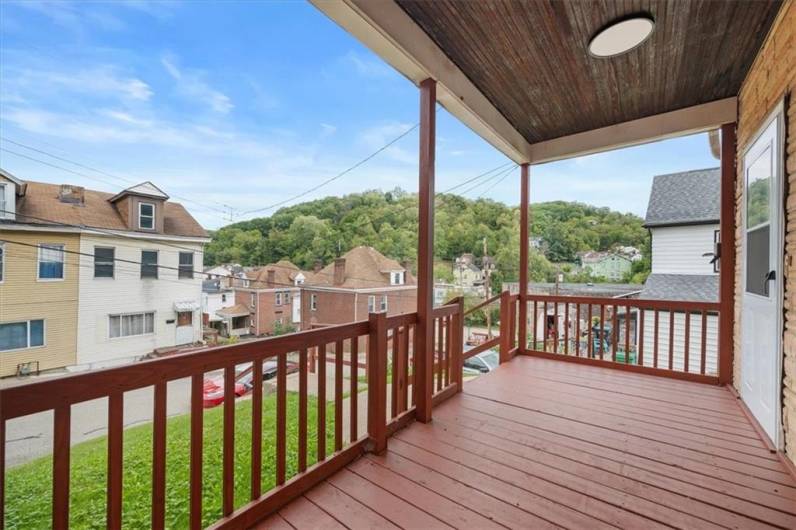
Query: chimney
x=71, y=194
x=318, y=266
x=339, y=271
x=271, y=277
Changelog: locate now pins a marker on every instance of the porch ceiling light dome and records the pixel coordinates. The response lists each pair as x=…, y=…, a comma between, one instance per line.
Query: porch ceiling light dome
x=621, y=36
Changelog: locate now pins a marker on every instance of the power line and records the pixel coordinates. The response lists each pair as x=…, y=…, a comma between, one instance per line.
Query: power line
x=78, y=173
x=490, y=179
x=503, y=166
x=332, y=179
x=493, y=185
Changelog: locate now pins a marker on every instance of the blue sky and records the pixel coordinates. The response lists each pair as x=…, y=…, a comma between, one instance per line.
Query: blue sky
x=245, y=104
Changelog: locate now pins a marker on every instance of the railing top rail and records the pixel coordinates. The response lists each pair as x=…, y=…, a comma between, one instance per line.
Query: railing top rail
x=48, y=394
x=485, y=303
x=642, y=303
x=445, y=310
x=406, y=319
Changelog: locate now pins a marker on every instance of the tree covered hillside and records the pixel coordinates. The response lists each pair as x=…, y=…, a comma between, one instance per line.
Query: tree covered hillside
x=320, y=229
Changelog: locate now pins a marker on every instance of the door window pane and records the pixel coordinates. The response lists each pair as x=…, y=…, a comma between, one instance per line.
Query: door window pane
x=758, y=190
x=757, y=256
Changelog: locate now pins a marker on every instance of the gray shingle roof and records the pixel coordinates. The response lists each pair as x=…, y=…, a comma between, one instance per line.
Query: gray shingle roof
x=685, y=198
x=691, y=287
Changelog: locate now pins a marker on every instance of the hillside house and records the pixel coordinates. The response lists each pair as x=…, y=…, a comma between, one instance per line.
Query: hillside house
x=97, y=278
x=215, y=297
x=273, y=297
x=613, y=266
x=683, y=219
x=359, y=282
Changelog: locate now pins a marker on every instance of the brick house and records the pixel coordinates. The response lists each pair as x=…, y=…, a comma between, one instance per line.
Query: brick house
x=361, y=281
x=273, y=296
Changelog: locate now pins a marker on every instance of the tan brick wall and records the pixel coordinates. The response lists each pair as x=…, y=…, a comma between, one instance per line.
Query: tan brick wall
x=267, y=312
x=772, y=77
x=23, y=297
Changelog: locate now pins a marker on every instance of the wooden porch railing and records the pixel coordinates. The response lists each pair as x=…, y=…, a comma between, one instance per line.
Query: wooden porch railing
x=390, y=344
x=672, y=338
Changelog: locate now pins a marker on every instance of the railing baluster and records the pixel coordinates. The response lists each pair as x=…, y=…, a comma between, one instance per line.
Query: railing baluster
x=535, y=327
x=352, y=399
x=566, y=328
x=627, y=334
x=555, y=327
x=321, y=413
x=257, y=429
x=614, y=331
x=602, y=331
x=415, y=339
x=671, y=340
x=448, y=349
x=544, y=325
x=655, y=341
x=458, y=335
x=590, y=344
x=197, y=421
x=440, y=351
x=687, y=345
x=404, y=368
x=394, y=376
x=338, y=395
x=159, y=457
x=228, y=450
x=577, y=330
x=281, y=417
x=302, y=412
x=640, y=333
x=115, y=457
x=704, y=345
x=61, y=450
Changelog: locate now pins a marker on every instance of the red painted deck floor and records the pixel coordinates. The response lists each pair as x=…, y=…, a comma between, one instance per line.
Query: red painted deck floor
x=539, y=444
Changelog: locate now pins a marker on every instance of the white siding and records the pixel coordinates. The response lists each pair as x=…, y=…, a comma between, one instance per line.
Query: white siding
x=128, y=293
x=694, y=345
x=8, y=197
x=212, y=302
x=680, y=249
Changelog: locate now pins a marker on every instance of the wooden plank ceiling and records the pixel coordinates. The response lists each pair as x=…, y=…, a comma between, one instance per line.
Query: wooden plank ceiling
x=530, y=58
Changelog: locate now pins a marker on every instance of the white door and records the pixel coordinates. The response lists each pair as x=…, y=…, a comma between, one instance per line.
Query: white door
x=761, y=309
x=297, y=308
x=184, y=327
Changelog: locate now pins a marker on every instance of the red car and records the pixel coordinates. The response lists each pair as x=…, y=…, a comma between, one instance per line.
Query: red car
x=213, y=391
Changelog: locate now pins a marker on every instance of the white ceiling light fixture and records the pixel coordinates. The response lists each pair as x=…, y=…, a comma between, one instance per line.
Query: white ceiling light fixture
x=621, y=37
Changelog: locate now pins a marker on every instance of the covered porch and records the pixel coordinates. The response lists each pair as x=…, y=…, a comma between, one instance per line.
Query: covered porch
x=566, y=434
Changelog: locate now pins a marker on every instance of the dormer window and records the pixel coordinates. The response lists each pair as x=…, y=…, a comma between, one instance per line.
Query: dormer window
x=3, y=201
x=146, y=216
x=397, y=277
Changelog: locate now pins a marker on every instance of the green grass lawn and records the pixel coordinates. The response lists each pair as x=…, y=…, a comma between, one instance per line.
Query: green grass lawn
x=29, y=486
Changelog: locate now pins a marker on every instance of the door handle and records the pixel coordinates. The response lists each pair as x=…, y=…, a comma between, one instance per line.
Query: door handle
x=770, y=275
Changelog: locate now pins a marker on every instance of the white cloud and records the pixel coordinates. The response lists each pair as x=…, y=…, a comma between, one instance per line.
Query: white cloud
x=191, y=84
x=98, y=80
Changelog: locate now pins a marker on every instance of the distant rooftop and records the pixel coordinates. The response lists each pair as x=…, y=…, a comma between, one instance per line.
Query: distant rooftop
x=690, y=197
x=690, y=287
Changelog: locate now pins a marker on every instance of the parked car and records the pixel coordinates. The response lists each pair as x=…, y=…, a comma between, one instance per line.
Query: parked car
x=482, y=363
x=269, y=372
x=213, y=391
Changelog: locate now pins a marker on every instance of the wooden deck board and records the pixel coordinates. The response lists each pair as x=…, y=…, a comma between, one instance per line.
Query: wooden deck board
x=545, y=444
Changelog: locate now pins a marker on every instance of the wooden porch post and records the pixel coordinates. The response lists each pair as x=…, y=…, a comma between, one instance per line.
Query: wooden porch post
x=727, y=258
x=377, y=382
x=523, y=298
x=424, y=378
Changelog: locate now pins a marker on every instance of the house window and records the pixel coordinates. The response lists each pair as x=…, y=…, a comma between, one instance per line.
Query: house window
x=146, y=215
x=397, y=277
x=103, y=262
x=51, y=262
x=278, y=299
x=253, y=299
x=184, y=318
x=383, y=306
x=223, y=298
x=131, y=324
x=313, y=302
x=149, y=264
x=186, y=266
x=20, y=335
x=2, y=262
x=286, y=297
x=3, y=204
x=371, y=304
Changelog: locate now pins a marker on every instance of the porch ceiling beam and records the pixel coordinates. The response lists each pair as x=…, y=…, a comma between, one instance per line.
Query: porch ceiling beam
x=680, y=122
x=389, y=32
